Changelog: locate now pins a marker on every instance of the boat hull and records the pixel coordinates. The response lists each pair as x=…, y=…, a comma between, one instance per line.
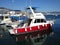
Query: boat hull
x=34, y=34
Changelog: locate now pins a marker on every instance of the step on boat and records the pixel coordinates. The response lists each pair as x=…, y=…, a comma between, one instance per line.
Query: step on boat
x=34, y=26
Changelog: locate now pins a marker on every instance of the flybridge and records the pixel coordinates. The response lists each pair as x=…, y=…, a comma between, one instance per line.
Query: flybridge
x=36, y=15
x=39, y=15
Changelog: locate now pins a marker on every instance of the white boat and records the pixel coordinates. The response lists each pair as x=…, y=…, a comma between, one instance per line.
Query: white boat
x=8, y=21
x=35, y=23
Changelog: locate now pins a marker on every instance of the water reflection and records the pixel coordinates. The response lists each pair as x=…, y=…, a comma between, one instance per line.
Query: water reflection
x=38, y=40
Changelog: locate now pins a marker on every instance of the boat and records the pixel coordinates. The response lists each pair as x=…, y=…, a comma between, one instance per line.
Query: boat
x=34, y=26
x=10, y=20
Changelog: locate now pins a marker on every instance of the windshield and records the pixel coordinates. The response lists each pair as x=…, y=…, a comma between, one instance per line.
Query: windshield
x=40, y=21
x=27, y=22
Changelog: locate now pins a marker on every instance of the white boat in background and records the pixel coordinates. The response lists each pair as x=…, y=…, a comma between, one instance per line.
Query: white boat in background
x=10, y=20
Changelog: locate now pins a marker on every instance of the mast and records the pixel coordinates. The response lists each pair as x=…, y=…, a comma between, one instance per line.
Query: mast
x=31, y=10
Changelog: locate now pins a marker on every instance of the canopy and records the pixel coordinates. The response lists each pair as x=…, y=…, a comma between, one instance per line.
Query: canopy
x=18, y=18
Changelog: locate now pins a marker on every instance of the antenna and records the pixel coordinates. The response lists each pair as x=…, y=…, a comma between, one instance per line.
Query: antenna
x=31, y=10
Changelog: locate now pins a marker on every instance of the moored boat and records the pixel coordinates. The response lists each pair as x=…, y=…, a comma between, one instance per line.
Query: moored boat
x=32, y=27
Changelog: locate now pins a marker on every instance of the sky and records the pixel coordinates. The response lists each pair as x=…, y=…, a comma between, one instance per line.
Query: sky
x=43, y=5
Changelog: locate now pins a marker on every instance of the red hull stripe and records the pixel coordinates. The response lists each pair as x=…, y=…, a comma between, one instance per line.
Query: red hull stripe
x=28, y=29
x=34, y=28
x=20, y=30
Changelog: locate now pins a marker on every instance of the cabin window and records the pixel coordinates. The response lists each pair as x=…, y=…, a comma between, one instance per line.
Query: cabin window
x=21, y=24
x=9, y=27
x=43, y=20
x=6, y=16
x=37, y=21
x=40, y=20
x=2, y=17
x=29, y=21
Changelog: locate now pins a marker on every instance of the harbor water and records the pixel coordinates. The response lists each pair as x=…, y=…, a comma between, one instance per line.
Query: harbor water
x=7, y=39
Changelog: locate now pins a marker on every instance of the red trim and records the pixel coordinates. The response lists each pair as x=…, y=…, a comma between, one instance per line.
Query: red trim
x=40, y=27
x=28, y=29
x=34, y=28
x=48, y=26
x=20, y=30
